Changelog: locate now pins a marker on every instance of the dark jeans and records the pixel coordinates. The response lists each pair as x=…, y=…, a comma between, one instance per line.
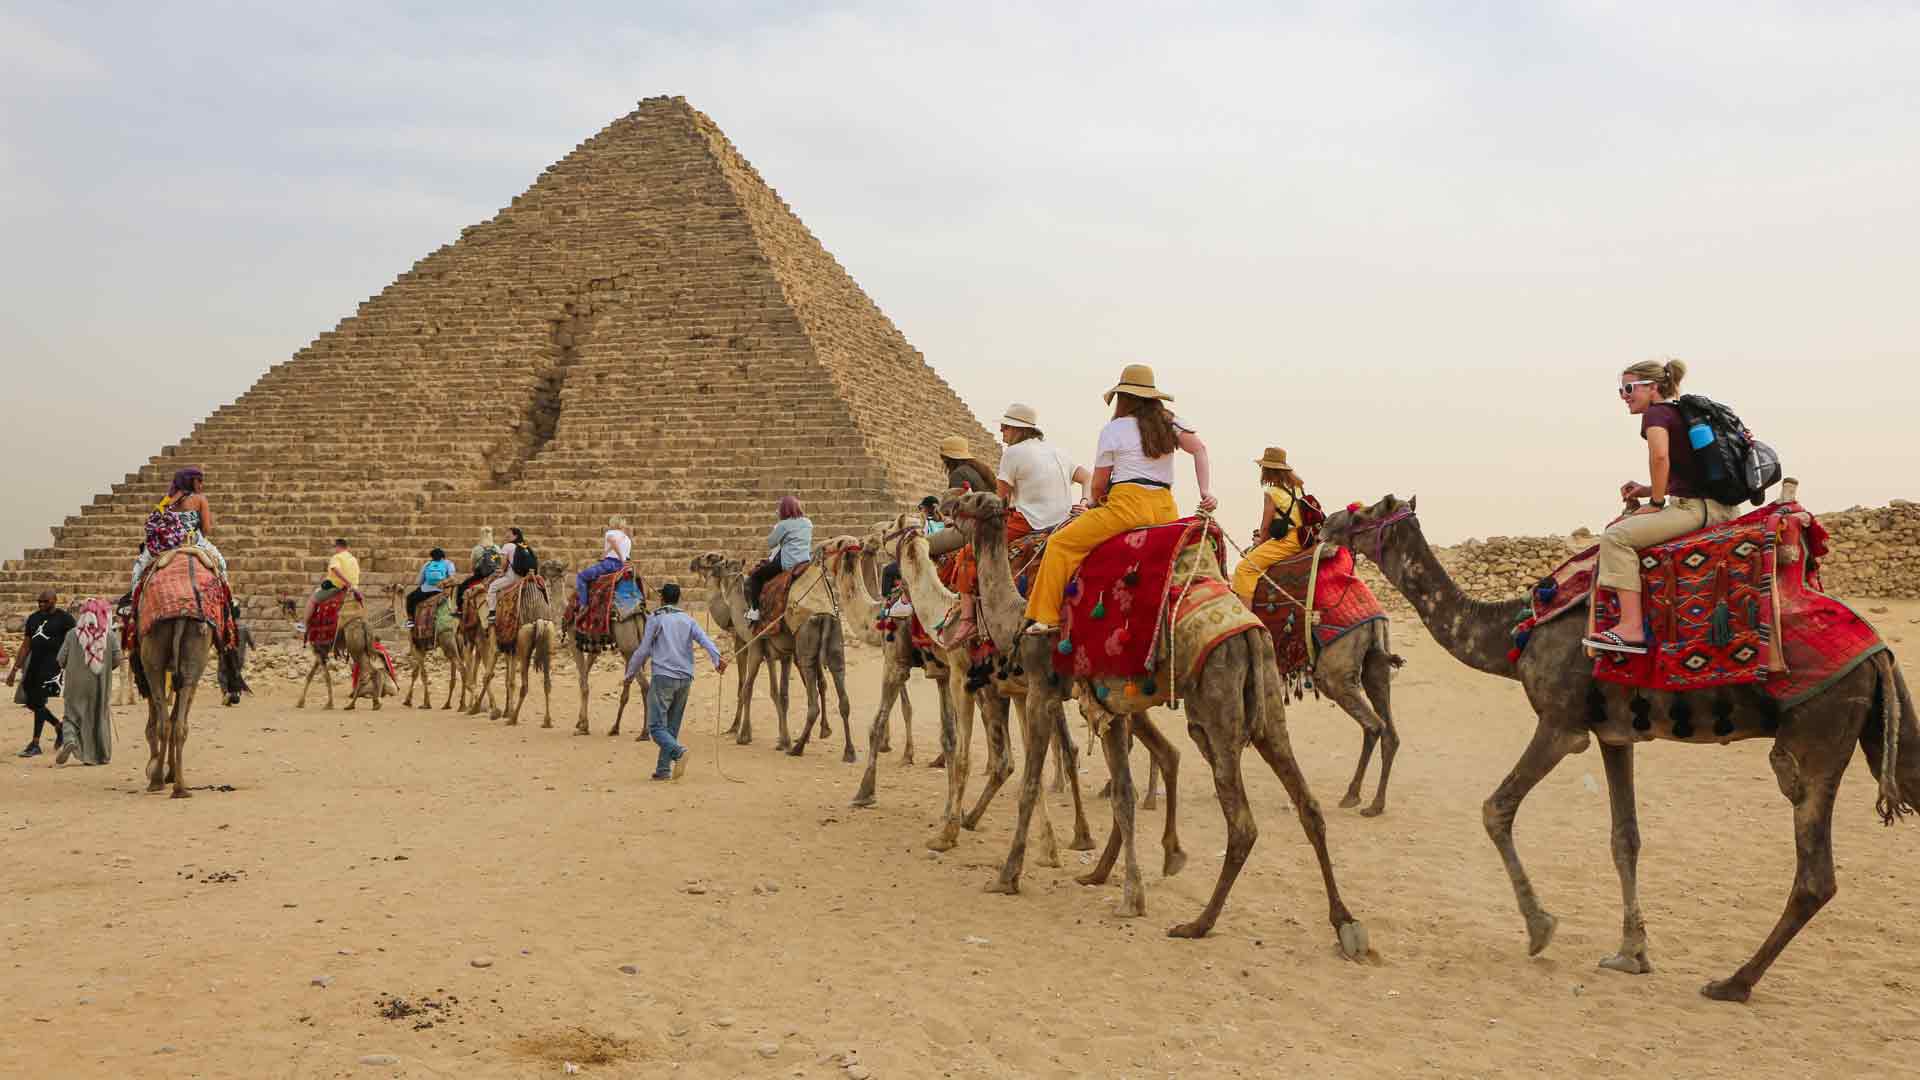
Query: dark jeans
x=757, y=580
x=666, y=705
x=414, y=598
x=460, y=594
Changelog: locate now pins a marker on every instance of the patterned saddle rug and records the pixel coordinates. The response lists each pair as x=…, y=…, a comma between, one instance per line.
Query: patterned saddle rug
x=432, y=616
x=181, y=585
x=773, y=597
x=1144, y=597
x=473, y=606
x=324, y=622
x=386, y=658
x=610, y=598
x=1023, y=558
x=1733, y=604
x=506, y=611
x=1342, y=603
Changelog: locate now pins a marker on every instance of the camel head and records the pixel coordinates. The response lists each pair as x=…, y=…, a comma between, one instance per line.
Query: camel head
x=714, y=564
x=969, y=511
x=841, y=553
x=1366, y=524
x=287, y=605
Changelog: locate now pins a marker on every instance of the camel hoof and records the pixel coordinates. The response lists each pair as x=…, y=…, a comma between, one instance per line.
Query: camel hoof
x=1540, y=933
x=1350, y=800
x=546, y=723
x=885, y=747
x=1727, y=990
x=182, y=793
x=1151, y=802
x=610, y=734
x=938, y=762
x=744, y=740
x=795, y=750
x=1091, y=877
x=863, y=802
x=1005, y=886
x=1353, y=939
x=1628, y=963
x=1189, y=930
x=848, y=758
x=941, y=843
x=1373, y=811
x=905, y=759
x=1132, y=904
x=513, y=721
x=328, y=707
x=155, y=785
x=1082, y=841
x=1175, y=862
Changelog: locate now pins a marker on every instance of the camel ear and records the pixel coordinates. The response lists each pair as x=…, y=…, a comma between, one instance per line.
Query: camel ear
x=1413, y=502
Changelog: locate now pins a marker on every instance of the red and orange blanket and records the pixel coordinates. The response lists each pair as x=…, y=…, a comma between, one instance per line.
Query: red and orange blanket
x=1126, y=600
x=1734, y=604
x=385, y=658
x=178, y=585
x=506, y=611
x=323, y=622
x=609, y=596
x=1342, y=603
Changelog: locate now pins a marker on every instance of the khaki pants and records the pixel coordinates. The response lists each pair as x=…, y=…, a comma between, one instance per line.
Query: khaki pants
x=1246, y=576
x=1620, y=545
x=1128, y=506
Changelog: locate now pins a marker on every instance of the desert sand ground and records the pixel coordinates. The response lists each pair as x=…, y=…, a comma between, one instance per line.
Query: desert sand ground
x=773, y=931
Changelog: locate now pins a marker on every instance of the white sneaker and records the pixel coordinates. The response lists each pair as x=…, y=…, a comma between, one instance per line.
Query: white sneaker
x=1041, y=629
x=900, y=610
x=299, y=628
x=408, y=625
x=753, y=614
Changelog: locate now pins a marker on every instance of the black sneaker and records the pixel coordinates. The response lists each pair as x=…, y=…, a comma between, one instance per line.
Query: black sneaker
x=32, y=750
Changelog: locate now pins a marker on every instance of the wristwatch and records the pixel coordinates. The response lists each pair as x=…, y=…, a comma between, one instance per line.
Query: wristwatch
x=1657, y=504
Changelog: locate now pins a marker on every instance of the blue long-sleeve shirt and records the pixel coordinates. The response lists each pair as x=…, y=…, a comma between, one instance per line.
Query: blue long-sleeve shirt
x=791, y=541
x=669, y=641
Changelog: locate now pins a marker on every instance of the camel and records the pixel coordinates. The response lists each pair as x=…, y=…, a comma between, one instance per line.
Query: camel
x=1235, y=697
x=1043, y=718
x=725, y=608
x=418, y=649
x=627, y=633
x=355, y=638
x=533, y=647
x=1812, y=742
x=1356, y=671
x=809, y=634
x=477, y=652
x=844, y=557
x=173, y=657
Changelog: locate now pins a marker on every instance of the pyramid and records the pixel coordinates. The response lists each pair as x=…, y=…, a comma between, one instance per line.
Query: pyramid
x=648, y=330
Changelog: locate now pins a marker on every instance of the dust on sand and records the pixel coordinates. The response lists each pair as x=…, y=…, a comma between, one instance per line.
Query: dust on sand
x=554, y=906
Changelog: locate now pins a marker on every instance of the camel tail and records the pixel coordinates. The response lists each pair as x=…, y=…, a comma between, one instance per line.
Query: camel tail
x=544, y=635
x=1893, y=712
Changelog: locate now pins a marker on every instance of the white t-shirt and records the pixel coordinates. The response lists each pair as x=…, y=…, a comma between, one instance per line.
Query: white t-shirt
x=619, y=543
x=1120, y=449
x=1042, y=479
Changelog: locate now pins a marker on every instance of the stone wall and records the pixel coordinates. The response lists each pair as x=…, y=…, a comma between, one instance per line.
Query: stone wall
x=1875, y=553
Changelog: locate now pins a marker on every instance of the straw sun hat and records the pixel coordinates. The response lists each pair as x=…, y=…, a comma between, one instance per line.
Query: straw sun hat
x=1137, y=380
x=1274, y=458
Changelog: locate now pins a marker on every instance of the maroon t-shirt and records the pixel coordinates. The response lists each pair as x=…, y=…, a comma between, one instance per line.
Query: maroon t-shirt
x=1681, y=469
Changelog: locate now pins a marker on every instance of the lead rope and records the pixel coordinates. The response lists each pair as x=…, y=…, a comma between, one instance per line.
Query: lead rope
x=1203, y=522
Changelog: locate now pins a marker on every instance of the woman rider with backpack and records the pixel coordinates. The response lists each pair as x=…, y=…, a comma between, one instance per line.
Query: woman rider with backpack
x=512, y=562
x=481, y=566
x=1287, y=518
x=1676, y=504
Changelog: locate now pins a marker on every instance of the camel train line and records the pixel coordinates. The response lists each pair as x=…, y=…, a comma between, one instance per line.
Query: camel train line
x=1149, y=619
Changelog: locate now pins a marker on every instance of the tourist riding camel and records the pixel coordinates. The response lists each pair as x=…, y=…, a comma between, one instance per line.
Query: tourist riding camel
x=1036, y=478
x=965, y=473
x=789, y=544
x=481, y=565
x=434, y=576
x=935, y=526
x=343, y=575
x=186, y=509
x=1676, y=500
x=618, y=547
x=1288, y=516
x=1132, y=486
x=516, y=561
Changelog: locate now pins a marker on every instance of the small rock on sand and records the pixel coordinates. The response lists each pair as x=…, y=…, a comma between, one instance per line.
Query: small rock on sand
x=694, y=888
x=629, y=969
x=380, y=1059
x=768, y=1049
x=323, y=981
x=481, y=961
x=857, y=1071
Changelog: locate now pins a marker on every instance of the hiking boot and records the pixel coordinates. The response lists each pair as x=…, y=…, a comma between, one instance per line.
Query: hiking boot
x=32, y=750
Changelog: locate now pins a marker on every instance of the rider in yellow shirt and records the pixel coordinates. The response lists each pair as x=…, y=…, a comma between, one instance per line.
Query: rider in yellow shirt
x=1285, y=510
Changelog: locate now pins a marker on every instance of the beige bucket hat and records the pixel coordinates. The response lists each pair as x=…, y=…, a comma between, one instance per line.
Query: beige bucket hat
x=1137, y=379
x=956, y=447
x=1021, y=416
x=1274, y=458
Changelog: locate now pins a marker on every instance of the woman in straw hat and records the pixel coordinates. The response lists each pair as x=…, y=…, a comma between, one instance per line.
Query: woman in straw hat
x=1036, y=478
x=1132, y=486
x=1285, y=518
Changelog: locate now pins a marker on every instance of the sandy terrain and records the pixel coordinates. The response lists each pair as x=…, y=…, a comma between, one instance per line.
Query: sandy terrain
x=384, y=853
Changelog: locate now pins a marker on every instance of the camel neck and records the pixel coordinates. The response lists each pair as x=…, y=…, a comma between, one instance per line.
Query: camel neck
x=1002, y=610
x=931, y=599
x=1476, y=633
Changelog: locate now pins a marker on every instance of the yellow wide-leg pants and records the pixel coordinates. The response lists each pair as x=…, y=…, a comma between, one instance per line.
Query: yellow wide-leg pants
x=1246, y=576
x=1128, y=506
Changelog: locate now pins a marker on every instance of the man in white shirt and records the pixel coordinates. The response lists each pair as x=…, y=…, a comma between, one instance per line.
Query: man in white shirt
x=1035, y=476
x=617, y=546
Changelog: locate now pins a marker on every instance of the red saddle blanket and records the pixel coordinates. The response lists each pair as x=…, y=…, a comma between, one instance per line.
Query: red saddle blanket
x=1732, y=604
x=385, y=658
x=773, y=597
x=183, y=587
x=1116, y=614
x=1023, y=558
x=598, y=620
x=323, y=622
x=426, y=616
x=474, y=607
x=506, y=610
x=1341, y=604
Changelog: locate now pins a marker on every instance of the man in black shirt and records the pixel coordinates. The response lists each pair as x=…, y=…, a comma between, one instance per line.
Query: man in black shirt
x=40, y=654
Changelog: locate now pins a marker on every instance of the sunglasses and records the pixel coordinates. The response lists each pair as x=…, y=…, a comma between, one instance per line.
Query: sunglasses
x=1626, y=388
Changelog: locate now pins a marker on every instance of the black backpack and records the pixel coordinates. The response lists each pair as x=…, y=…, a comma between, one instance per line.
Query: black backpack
x=1730, y=465
x=489, y=563
x=525, y=562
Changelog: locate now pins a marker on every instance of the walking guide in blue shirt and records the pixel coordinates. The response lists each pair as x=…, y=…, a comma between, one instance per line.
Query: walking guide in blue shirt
x=668, y=643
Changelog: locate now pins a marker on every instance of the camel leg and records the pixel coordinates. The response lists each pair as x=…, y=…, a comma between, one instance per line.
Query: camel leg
x=1166, y=761
x=546, y=635
x=1062, y=751
x=1632, y=957
x=426, y=684
x=1031, y=773
x=326, y=679
x=743, y=707
x=812, y=687
x=1151, y=800
x=1082, y=836
x=305, y=686
x=455, y=673
x=893, y=688
x=1115, y=741
x=784, y=741
x=837, y=670
x=582, y=667
x=1808, y=766
x=1351, y=696
x=1544, y=752
x=177, y=730
x=1270, y=738
x=956, y=737
x=993, y=713
x=1212, y=734
x=157, y=716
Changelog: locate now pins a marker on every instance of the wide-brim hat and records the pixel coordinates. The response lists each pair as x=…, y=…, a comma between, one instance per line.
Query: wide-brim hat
x=1274, y=458
x=1137, y=379
x=957, y=448
x=1021, y=416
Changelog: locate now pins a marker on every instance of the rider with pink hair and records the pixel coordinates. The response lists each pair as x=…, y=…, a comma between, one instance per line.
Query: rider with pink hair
x=789, y=544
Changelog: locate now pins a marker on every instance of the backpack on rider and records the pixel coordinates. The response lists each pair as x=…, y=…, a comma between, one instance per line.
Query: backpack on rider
x=1733, y=467
x=525, y=562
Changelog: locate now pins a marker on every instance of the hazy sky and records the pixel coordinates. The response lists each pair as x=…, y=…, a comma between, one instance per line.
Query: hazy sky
x=1413, y=244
